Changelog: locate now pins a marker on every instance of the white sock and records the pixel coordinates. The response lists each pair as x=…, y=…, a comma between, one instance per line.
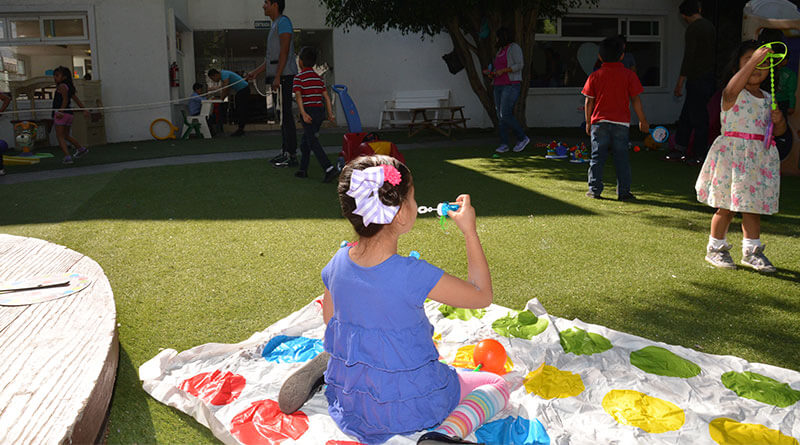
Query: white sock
x=750, y=244
x=715, y=244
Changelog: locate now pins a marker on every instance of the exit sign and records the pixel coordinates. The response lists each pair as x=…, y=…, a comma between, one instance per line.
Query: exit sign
x=261, y=24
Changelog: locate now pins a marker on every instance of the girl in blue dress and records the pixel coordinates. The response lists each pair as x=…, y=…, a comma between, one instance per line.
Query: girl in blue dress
x=384, y=376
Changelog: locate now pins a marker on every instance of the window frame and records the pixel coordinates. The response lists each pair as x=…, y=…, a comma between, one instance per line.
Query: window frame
x=7, y=39
x=82, y=18
x=623, y=20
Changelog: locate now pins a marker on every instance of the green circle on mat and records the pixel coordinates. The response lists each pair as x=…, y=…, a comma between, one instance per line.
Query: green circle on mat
x=660, y=361
x=460, y=313
x=522, y=324
x=580, y=342
x=751, y=385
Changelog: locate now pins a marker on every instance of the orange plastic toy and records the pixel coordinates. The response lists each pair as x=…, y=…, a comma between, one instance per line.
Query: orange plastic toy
x=490, y=356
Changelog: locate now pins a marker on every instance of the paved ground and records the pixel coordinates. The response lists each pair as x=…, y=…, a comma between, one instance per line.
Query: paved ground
x=67, y=172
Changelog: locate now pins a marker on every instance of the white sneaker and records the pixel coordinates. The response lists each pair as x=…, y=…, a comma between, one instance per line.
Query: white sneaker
x=502, y=149
x=720, y=258
x=755, y=259
x=2, y=172
x=521, y=145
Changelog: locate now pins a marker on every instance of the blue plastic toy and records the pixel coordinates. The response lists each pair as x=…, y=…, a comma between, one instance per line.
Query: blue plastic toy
x=660, y=134
x=414, y=254
x=349, y=107
x=441, y=209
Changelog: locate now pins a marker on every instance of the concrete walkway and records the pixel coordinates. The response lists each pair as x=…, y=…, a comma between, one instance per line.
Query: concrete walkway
x=68, y=172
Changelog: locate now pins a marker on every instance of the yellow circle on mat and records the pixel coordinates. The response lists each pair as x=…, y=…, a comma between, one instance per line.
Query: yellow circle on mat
x=651, y=414
x=726, y=431
x=549, y=382
x=464, y=359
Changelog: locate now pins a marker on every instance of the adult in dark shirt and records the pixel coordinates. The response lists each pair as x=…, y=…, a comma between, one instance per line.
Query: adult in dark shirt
x=697, y=72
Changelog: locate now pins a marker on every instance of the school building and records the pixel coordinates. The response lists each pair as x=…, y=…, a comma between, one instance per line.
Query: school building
x=130, y=45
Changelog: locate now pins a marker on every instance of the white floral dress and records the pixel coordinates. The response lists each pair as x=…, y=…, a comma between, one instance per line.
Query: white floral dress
x=741, y=174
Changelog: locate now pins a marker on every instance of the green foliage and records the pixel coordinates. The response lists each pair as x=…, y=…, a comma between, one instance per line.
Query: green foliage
x=430, y=17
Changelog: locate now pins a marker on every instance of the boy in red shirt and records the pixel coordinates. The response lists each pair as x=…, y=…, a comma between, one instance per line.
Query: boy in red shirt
x=608, y=92
x=310, y=91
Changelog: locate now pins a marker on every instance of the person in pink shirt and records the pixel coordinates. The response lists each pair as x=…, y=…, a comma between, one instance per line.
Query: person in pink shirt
x=506, y=75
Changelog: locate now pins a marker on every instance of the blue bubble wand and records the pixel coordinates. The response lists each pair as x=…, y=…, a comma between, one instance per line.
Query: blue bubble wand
x=441, y=209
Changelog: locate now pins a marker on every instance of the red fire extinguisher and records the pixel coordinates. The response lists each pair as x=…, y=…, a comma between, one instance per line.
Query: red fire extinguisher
x=173, y=75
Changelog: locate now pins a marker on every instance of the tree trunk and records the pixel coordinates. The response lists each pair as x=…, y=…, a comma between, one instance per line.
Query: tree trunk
x=474, y=74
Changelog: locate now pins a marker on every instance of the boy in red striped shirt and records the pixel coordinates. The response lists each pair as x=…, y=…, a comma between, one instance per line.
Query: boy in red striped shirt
x=310, y=91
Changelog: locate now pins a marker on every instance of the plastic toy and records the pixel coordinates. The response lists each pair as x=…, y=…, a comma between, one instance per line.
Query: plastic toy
x=20, y=160
x=579, y=155
x=557, y=151
x=490, y=356
x=441, y=209
x=637, y=149
x=172, y=130
x=25, y=138
x=772, y=59
x=659, y=134
x=350, y=110
x=414, y=254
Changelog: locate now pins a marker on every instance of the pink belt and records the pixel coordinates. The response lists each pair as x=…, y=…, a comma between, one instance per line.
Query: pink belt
x=748, y=136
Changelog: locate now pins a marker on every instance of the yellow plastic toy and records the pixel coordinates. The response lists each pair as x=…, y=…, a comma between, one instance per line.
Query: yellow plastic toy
x=20, y=160
x=172, y=130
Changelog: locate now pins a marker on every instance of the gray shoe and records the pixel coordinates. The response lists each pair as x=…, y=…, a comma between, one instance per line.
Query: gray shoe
x=303, y=384
x=755, y=259
x=720, y=257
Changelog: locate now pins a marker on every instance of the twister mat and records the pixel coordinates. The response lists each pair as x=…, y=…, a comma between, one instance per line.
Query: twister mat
x=573, y=383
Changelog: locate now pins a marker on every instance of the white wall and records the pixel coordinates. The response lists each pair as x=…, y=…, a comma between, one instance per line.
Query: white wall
x=132, y=63
x=240, y=14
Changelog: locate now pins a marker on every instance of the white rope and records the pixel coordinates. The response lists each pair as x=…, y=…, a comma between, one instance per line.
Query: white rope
x=127, y=107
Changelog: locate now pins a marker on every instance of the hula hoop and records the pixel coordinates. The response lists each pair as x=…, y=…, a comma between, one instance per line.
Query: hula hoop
x=170, y=135
x=775, y=58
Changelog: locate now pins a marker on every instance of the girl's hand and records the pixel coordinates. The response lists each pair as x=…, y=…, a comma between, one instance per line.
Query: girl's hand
x=464, y=217
x=778, y=122
x=306, y=117
x=759, y=55
x=332, y=118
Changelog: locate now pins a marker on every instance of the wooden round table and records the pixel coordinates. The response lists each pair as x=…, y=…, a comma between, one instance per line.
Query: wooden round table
x=58, y=359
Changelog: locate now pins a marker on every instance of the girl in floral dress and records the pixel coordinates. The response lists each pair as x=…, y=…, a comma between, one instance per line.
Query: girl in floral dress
x=741, y=171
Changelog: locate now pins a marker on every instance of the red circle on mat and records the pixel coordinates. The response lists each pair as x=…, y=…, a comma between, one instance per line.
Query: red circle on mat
x=215, y=387
x=264, y=423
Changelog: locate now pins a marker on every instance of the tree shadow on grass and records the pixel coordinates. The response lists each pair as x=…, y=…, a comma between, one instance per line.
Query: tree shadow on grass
x=698, y=317
x=256, y=190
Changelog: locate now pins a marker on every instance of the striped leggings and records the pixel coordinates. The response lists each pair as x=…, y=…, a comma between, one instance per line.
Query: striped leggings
x=483, y=395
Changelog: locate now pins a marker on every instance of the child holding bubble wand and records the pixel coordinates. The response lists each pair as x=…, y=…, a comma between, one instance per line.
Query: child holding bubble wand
x=383, y=372
x=741, y=171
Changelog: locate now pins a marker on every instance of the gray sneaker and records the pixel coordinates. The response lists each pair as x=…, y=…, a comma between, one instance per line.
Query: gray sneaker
x=755, y=259
x=721, y=257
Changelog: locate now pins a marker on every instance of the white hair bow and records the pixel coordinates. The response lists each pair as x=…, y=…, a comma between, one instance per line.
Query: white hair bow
x=364, y=186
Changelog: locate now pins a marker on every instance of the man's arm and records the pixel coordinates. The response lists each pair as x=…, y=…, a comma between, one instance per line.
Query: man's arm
x=689, y=49
x=253, y=74
x=285, y=39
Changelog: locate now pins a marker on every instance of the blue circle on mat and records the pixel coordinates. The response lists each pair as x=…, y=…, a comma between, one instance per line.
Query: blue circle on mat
x=516, y=430
x=286, y=349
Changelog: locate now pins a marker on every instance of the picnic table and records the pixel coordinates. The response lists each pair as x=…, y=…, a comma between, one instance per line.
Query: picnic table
x=429, y=118
x=58, y=359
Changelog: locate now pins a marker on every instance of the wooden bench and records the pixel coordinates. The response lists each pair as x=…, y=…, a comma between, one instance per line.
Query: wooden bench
x=399, y=109
x=58, y=359
x=437, y=119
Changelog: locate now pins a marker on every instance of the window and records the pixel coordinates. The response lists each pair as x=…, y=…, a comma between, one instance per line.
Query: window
x=64, y=28
x=25, y=28
x=44, y=28
x=566, y=48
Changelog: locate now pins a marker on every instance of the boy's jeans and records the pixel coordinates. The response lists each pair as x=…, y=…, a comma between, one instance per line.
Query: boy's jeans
x=505, y=96
x=310, y=142
x=615, y=137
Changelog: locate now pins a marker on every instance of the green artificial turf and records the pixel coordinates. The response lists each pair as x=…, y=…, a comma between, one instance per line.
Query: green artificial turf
x=215, y=252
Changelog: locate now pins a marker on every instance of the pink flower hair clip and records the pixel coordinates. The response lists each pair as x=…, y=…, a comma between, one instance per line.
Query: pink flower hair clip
x=391, y=175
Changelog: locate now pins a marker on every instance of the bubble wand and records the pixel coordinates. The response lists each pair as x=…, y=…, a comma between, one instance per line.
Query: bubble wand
x=441, y=209
x=773, y=59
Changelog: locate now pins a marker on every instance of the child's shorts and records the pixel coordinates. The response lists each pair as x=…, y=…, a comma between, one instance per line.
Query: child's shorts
x=63, y=119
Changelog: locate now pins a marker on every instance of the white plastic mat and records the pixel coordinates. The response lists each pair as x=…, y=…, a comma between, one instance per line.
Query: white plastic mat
x=596, y=397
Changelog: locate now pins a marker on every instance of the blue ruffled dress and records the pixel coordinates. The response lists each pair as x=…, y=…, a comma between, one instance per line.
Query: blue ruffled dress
x=384, y=377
